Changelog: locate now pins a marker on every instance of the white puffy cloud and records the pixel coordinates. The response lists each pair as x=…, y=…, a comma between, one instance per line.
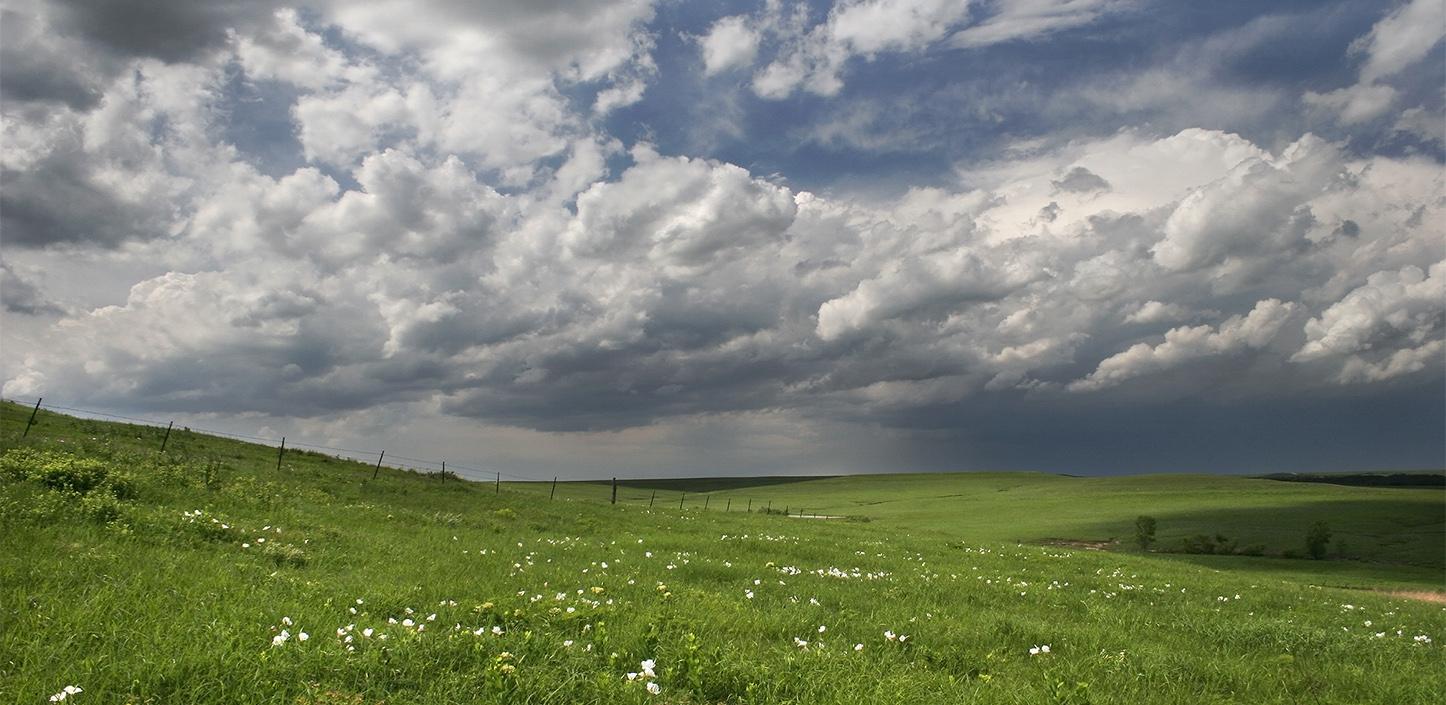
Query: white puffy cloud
x=1252, y=331
x=679, y=212
x=1253, y=210
x=290, y=52
x=1390, y=326
x=730, y=43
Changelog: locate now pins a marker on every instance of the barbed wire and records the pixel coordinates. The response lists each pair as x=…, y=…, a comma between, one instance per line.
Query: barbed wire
x=433, y=465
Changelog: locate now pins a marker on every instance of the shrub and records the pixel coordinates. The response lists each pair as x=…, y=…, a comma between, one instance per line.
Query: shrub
x=1254, y=549
x=1199, y=543
x=1144, y=531
x=505, y=513
x=1224, y=544
x=1316, y=539
x=100, y=507
x=65, y=472
x=121, y=485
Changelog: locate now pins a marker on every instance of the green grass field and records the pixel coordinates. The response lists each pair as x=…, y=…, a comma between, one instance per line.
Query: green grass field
x=191, y=576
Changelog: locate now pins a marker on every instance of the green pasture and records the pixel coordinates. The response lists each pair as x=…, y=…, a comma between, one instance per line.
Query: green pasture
x=189, y=577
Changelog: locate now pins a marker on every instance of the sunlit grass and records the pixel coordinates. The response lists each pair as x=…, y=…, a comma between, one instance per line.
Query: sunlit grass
x=412, y=590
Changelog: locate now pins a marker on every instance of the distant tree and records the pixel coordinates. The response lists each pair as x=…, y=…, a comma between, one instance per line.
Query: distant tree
x=1316, y=539
x=1144, y=531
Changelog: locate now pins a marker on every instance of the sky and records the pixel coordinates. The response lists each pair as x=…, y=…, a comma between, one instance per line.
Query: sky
x=667, y=238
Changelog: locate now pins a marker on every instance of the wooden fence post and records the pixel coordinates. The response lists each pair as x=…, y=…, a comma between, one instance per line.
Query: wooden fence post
x=499, y=483
x=706, y=498
x=554, y=488
x=680, y=500
x=33, y=412
x=280, y=453
x=650, y=499
x=615, y=490
x=166, y=437
x=379, y=465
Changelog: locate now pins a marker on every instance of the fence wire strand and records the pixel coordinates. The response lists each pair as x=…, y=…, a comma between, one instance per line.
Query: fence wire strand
x=479, y=474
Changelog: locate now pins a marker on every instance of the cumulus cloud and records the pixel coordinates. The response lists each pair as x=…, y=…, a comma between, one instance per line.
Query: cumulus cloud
x=113, y=174
x=730, y=43
x=684, y=286
x=465, y=227
x=1390, y=326
x=1256, y=209
x=1182, y=345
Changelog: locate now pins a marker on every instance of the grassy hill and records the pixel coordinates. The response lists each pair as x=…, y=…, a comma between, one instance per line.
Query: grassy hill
x=1391, y=527
x=190, y=576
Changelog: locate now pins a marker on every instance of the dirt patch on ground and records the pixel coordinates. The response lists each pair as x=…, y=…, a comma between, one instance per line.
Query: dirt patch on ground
x=1421, y=595
x=1104, y=545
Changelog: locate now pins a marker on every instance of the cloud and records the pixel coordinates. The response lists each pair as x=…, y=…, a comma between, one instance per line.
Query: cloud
x=1362, y=102
x=1157, y=312
x=1182, y=345
x=1253, y=210
x=730, y=43
x=1395, y=43
x=815, y=60
x=1390, y=326
x=1080, y=180
x=1402, y=38
x=443, y=211
x=682, y=286
x=20, y=295
x=109, y=175
x=1016, y=20
x=173, y=31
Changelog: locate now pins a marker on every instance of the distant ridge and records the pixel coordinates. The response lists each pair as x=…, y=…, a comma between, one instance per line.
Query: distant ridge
x=1422, y=479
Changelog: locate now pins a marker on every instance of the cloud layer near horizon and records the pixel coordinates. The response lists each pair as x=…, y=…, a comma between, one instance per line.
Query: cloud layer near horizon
x=305, y=215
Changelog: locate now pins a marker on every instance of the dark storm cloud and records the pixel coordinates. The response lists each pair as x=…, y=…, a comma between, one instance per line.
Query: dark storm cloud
x=1400, y=426
x=57, y=202
x=33, y=70
x=170, y=30
x=21, y=296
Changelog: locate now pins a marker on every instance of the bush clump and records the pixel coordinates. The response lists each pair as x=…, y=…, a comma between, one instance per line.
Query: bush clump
x=65, y=472
x=1316, y=539
x=1144, y=531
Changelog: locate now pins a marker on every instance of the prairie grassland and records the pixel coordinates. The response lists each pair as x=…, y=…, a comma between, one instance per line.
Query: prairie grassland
x=204, y=575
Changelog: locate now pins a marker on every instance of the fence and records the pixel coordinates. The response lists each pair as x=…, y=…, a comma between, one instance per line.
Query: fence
x=652, y=493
